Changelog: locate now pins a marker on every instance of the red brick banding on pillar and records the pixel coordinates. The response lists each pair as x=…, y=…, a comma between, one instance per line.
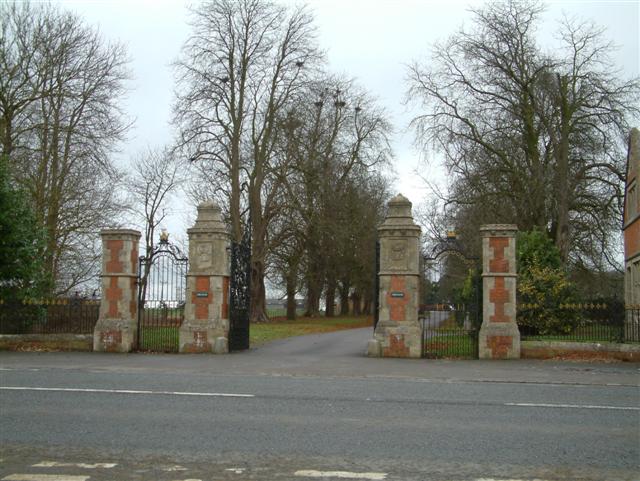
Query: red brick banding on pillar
x=133, y=303
x=397, y=305
x=114, y=264
x=499, y=346
x=111, y=340
x=499, y=296
x=498, y=263
x=113, y=295
x=397, y=347
x=202, y=303
x=225, y=298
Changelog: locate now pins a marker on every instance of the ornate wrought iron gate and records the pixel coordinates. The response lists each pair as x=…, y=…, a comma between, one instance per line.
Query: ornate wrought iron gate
x=450, y=327
x=240, y=293
x=161, y=297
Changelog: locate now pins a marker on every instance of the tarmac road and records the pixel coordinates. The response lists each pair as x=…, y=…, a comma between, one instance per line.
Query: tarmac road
x=314, y=407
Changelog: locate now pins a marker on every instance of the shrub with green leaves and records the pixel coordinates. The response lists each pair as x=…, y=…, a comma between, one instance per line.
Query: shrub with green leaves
x=21, y=243
x=543, y=286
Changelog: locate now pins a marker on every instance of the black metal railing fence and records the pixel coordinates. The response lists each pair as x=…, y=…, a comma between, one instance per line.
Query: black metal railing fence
x=49, y=316
x=593, y=321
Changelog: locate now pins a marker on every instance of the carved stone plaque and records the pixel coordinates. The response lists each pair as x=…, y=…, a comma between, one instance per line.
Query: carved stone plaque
x=204, y=255
x=398, y=255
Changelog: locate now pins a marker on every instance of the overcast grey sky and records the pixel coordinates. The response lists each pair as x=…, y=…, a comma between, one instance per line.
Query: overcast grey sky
x=370, y=40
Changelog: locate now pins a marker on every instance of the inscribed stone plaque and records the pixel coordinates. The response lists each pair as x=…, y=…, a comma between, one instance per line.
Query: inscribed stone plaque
x=204, y=255
x=398, y=255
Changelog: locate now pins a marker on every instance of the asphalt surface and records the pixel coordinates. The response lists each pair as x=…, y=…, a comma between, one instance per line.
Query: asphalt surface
x=310, y=407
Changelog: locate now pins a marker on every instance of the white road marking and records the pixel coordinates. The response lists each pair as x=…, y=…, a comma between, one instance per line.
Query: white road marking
x=174, y=468
x=44, y=477
x=55, y=464
x=124, y=391
x=311, y=473
x=235, y=470
x=573, y=406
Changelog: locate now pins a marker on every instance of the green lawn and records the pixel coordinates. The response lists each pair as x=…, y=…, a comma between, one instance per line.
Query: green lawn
x=166, y=339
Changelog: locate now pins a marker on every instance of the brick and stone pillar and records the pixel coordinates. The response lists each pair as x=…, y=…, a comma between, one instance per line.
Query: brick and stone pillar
x=499, y=336
x=206, y=316
x=398, y=333
x=116, y=329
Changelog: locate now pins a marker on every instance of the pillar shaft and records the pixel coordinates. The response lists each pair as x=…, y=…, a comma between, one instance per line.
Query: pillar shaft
x=398, y=332
x=499, y=336
x=206, y=317
x=116, y=329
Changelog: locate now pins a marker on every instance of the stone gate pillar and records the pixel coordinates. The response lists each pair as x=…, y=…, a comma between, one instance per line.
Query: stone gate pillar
x=206, y=315
x=116, y=329
x=499, y=336
x=398, y=333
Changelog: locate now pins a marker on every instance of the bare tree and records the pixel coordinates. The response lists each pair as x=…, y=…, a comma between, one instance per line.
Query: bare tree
x=530, y=138
x=61, y=84
x=339, y=144
x=242, y=64
x=155, y=178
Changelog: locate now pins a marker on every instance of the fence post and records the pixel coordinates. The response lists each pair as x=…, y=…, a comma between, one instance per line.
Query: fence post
x=206, y=316
x=116, y=329
x=398, y=332
x=499, y=336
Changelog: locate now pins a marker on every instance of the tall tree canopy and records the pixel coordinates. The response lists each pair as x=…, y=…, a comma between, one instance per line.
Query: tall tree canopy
x=530, y=136
x=276, y=138
x=60, y=118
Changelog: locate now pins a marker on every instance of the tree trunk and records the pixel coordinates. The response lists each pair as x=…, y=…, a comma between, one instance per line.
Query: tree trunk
x=355, y=298
x=330, y=298
x=314, y=289
x=344, y=299
x=562, y=175
x=291, y=292
x=258, y=305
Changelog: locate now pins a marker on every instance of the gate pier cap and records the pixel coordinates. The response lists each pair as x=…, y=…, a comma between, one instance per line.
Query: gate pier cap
x=398, y=332
x=206, y=316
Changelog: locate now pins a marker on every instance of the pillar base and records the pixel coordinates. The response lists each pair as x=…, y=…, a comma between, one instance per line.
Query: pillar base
x=399, y=339
x=204, y=337
x=499, y=341
x=115, y=335
x=374, y=349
